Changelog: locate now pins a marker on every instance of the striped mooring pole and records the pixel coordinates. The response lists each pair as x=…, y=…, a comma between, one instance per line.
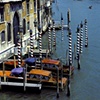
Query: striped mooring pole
x=62, y=33
x=31, y=43
x=19, y=49
x=81, y=37
x=78, y=46
x=40, y=43
x=86, y=35
x=69, y=52
x=70, y=61
x=54, y=34
x=49, y=37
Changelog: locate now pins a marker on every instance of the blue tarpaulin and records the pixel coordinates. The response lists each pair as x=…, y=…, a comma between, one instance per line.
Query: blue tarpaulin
x=17, y=71
x=30, y=61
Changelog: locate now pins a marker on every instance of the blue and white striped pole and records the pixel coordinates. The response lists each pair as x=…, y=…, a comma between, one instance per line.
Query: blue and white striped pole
x=78, y=46
x=81, y=37
x=86, y=35
x=31, y=43
x=49, y=37
x=19, y=49
x=69, y=51
x=40, y=43
x=62, y=33
x=54, y=34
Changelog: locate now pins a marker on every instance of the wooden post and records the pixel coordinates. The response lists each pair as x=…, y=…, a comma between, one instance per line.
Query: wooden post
x=31, y=43
x=0, y=83
x=67, y=63
x=78, y=47
x=28, y=50
x=70, y=62
x=25, y=77
x=49, y=37
x=57, y=82
x=70, y=52
x=62, y=33
x=14, y=61
x=61, y=78
x=4, y=72
x=46, y=53
x=19, y=50
x=54, y=35
x=74, y=50
x=40, y=44
x=81, y=38
x=86, y=36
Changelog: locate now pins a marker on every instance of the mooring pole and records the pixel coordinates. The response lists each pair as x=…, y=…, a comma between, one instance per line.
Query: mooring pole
x=74, y=50
x=54, y=34
x=49, y=37
x=62, y=87
x=81, y=38
x=19, y=49
x=0, y=82
x=62, y=33
x=70, y=62
x=86, y=35
x=69, y=52
x=78, y=46
x=68, y=18
x=40, y=44
x=57, y=82
x=35, y=24
x=24, y=82
x=31, y=43
x=67, y=62
x=4, y=72
x=14, y=61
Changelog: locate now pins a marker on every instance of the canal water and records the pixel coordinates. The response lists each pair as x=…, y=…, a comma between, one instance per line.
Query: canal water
x=85, y=83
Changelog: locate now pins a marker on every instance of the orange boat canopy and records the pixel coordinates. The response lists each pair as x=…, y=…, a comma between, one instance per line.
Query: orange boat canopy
x=51, y=61
x=40, y=72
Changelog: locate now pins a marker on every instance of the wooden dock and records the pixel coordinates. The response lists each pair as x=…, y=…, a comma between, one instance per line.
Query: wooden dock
x=29, y=85
x=21, y=84
x=44, y=52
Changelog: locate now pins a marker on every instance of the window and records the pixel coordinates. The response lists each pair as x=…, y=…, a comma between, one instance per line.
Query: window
x=8, y=8
x=9, y=32
x=2, y=36
x=1, y=14
x=24, y=26
x=31, y=7
x=27, y=6
x=35, y=6
x=28, y=25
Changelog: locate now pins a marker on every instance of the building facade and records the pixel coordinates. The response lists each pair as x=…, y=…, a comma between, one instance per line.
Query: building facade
x=20, y=16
